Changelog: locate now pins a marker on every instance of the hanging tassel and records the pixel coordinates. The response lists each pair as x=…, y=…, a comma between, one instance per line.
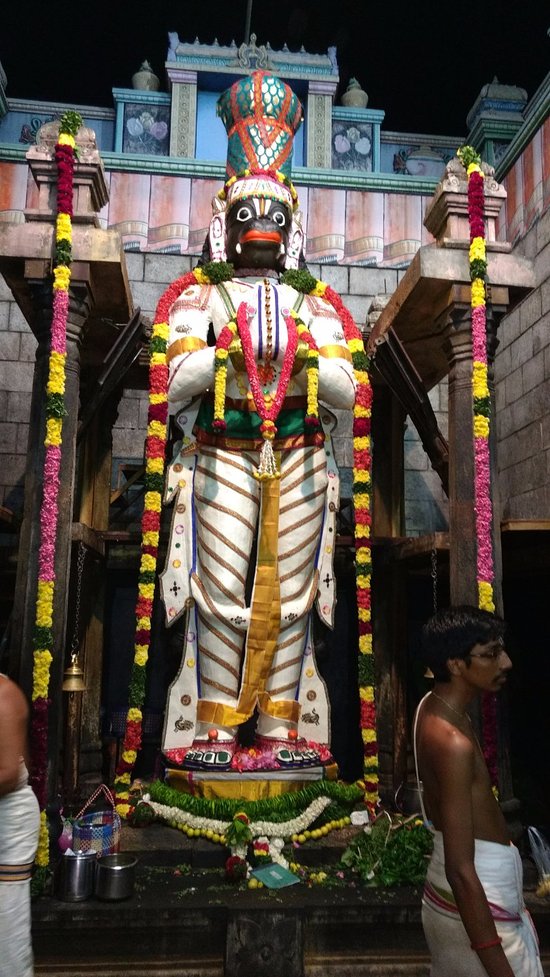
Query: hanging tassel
x=267, y=467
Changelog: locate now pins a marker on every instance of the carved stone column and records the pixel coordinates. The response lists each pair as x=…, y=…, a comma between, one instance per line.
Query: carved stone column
x=319, y=124
x=27, y=569
x=388, y=606
x=183, y=115
x=98, y=282
x=462, y=530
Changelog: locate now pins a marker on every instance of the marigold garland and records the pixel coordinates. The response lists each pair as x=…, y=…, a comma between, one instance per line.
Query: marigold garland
x=471, y=161
x=48, y=520
x=214, y=273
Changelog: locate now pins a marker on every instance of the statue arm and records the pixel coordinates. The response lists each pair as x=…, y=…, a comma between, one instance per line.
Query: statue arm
x=190, y=359
x=336, y=377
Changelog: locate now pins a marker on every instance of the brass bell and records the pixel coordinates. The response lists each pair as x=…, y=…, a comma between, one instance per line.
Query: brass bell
x=73, y=677
x=428, y=673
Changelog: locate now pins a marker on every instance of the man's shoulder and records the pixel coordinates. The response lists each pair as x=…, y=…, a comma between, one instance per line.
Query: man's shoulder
x=439, y=734
x=12, y=698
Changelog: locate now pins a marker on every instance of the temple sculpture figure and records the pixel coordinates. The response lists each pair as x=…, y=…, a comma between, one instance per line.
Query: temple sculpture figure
x=253, y=481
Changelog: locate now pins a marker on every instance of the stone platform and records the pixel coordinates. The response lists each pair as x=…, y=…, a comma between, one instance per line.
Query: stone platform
x=185, y=921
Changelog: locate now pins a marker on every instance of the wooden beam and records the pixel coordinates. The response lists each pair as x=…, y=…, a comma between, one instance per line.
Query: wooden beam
x=402, y=548
x=92, y=538
x=395, y=366
x=118, y=361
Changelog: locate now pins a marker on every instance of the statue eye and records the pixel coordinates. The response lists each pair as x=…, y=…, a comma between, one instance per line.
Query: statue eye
x=279, y=218
x=244, y=214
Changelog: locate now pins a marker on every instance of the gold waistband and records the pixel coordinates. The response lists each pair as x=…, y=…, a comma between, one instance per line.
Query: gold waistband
x=247, y=404
x=336, y=351
x=179, y=346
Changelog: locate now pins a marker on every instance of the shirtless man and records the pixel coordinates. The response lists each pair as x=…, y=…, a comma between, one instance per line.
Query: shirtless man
x=19, y=824
x=473, y=913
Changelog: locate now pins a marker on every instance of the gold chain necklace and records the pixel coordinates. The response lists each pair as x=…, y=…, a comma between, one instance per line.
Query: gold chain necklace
x=463, y=715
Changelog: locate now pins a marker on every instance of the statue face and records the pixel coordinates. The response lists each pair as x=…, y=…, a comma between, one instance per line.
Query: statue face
x=257, y=233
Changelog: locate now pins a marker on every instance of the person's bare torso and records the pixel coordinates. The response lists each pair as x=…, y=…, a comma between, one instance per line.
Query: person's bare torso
x=437, y=736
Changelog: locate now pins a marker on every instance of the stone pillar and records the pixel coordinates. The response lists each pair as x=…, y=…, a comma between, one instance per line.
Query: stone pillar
x=462, y=530
x=98, y=282
x=27, y=568
x=95, y=494
x=183, y=116
x=389, y=609
x=319, y=124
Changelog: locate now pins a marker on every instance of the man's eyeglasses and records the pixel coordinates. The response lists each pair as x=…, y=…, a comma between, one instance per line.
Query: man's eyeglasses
x=491, y=655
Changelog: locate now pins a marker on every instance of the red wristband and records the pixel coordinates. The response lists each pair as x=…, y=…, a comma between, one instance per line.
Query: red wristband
x=486, y=946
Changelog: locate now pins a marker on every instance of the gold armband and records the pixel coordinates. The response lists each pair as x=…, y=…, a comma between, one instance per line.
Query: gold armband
x=340, y=352
x=189, y=345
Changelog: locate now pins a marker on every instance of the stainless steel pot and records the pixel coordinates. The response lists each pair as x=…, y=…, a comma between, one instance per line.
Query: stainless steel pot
x=75, y=876
x=115, y=876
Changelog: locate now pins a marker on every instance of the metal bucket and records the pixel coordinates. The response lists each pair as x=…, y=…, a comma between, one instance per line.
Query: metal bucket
x=76, y=876
x=407, y=798
x=115, y=876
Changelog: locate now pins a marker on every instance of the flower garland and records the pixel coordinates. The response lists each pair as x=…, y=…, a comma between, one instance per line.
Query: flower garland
x=155, y=449
x=295, y=329
x=471, y=161
x=362, y=459
x=49, y=512
x=286, y=816
x=214, y=273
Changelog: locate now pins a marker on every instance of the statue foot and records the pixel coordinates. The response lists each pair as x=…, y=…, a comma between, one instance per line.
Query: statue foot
x=289, y=754
x=209, y=755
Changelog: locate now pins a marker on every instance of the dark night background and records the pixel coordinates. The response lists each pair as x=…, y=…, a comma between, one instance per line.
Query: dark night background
x=422, y=63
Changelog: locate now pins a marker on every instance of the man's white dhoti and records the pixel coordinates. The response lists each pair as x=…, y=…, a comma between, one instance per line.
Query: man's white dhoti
x=500, y=872
x=19, y=826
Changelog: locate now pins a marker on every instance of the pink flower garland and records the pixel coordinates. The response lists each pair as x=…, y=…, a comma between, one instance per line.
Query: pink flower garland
x=481, y=409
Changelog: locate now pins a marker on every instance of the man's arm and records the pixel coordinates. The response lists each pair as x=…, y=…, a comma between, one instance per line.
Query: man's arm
x=454, y=768
x=13, y=728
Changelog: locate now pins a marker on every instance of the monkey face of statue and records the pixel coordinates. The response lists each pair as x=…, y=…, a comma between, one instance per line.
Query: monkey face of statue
x=257, y=233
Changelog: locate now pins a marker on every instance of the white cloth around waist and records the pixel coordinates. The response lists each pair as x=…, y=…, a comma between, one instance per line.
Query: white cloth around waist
x=498, y=867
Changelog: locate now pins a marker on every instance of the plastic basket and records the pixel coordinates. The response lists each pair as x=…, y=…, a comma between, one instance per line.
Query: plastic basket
x=97, y=831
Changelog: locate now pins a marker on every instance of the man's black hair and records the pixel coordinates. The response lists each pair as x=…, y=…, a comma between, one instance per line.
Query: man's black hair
x=453, y=632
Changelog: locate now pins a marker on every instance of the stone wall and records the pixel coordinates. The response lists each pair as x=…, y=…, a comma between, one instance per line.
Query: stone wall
x=522, y=377
x=17, y=353
x=426, y=505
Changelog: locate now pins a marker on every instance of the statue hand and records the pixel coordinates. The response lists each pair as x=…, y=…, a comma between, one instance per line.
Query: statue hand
x=236, y=355
x=300, y=357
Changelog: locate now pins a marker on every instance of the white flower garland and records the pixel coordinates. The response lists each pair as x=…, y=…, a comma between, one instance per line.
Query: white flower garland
x=283, y=829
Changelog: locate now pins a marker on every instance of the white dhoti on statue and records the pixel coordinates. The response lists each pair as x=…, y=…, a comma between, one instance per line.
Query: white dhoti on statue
x=19, y=825
x=500, y=872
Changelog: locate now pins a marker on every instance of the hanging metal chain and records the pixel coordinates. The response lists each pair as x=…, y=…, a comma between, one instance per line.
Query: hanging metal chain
x=81, y=556
x=433, y=574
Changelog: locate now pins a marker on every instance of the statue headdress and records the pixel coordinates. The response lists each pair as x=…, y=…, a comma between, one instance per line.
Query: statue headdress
x=261, y=114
